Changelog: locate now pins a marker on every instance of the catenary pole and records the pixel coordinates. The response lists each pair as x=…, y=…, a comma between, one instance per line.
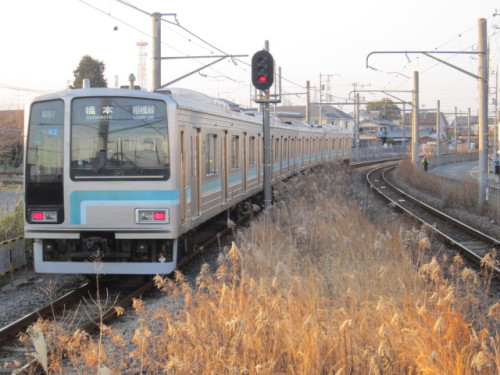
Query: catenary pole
x=468, y=130
x=456, y=129
x=483, y=110
x=414, y=122
x=156, y=50
x=308, y=101
x=356, y=126
x=438, y=128
x=403, y=125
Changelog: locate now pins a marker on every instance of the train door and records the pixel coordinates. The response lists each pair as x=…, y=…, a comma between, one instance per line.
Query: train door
x=183, y=185
x=287, y=155
x=225, y=168
x=196, y=168
x=245, y=162
x=260, y=156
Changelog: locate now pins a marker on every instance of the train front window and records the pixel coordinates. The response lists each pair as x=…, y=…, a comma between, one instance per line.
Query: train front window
x=44, y=154
x=119, y=138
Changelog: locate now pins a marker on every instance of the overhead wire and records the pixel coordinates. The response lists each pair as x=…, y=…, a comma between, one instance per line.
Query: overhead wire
x=460, y=35
x=237, y=61
x=17, y=88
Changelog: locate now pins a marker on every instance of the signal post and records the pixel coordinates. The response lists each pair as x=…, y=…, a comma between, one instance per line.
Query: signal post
x=263, y=79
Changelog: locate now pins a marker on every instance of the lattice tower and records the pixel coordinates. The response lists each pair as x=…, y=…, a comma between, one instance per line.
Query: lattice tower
x=142, y=78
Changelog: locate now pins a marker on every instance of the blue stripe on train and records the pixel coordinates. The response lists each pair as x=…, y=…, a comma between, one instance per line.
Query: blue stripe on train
x=80, y=200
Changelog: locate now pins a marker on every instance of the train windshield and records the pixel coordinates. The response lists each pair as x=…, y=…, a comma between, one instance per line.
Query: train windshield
x=119, y=138
x=44, y=153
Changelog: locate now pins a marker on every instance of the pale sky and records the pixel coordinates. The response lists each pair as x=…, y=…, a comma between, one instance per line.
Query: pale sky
x=43, y=42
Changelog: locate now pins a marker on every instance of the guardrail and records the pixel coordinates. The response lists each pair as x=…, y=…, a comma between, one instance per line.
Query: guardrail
x=12, y=256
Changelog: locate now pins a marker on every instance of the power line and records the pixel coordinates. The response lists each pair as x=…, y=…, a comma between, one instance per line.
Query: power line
x=115, y=18
x=17, y=88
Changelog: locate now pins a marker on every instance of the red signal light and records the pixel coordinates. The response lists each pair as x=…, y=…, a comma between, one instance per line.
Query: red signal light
x=159, y=215
x=37, y=215
x=262, y=70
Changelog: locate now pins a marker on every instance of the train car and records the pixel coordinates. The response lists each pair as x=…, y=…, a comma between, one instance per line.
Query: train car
x=128, y=175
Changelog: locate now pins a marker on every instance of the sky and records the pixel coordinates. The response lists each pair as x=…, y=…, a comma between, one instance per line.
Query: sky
x=318, y=41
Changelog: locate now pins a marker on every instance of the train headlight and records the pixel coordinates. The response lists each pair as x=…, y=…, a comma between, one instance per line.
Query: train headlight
x=44, y=216
x=160, y=216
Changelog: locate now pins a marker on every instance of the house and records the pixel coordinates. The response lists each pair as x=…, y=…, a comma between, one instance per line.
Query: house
x=462, y=123
x=376, y=126
x=427, y=121
x=320, y=115
x=380, y=132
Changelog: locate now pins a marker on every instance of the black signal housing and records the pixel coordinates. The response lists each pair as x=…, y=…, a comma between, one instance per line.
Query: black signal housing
x=262, y=70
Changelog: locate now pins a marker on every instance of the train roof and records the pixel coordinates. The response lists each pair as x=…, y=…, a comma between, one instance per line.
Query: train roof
x=188, y=99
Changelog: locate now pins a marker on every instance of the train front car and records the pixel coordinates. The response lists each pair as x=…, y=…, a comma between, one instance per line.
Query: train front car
x=99, y=184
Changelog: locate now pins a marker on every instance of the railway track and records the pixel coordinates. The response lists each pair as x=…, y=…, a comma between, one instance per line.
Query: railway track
x=12, y=350
x=86, y=312
x=474, y=244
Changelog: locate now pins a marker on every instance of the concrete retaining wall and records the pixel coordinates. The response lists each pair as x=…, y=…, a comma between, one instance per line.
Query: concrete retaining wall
x=436, y=161
x=12, y=255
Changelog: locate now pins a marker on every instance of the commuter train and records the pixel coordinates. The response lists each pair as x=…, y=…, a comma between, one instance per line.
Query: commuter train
x=131, y=174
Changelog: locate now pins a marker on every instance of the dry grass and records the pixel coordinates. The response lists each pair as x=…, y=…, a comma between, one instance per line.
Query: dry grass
x=462, y=194
x=313, y=289
x=12, y=222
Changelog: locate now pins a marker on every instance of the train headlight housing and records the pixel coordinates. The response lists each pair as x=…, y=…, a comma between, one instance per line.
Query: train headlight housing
x=155, y=216
x=43, y=216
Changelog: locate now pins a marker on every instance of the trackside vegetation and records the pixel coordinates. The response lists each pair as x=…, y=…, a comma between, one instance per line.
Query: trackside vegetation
x=12, y=222
x=313, y=288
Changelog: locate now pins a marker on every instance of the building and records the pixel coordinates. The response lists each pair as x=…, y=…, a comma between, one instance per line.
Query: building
x=320, y=115
x=462, y=123
x=427, y=121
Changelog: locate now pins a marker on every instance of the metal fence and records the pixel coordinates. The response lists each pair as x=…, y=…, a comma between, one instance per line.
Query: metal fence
x=378, y=152
x=453, y=158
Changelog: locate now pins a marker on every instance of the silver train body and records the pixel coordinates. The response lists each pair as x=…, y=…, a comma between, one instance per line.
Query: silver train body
x=131, y=174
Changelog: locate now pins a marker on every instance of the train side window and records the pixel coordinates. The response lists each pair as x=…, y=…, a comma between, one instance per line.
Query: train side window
x=211, y=154
x=276, y=149
x=251, y=151
x=235, y=151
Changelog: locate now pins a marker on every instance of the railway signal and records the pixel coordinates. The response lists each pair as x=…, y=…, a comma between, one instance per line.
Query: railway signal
x=262, y=70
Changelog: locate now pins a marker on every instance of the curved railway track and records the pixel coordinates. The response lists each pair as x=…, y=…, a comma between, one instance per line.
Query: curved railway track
x=471, y=242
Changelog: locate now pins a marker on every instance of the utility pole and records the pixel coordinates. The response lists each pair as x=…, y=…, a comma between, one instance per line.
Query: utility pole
x=438, y=128
x=482, y=77
x=356, y=125
x=308, y=101
x=156, y=50
x=414, y=123
x=156, y=56
x=497, y=157
x=496, y=136
x=483, y=110
x=468, y=130
x=403, y=125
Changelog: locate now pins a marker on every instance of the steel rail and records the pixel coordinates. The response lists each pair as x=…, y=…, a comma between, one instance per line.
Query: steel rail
x=472, y=249
x=14, y=328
